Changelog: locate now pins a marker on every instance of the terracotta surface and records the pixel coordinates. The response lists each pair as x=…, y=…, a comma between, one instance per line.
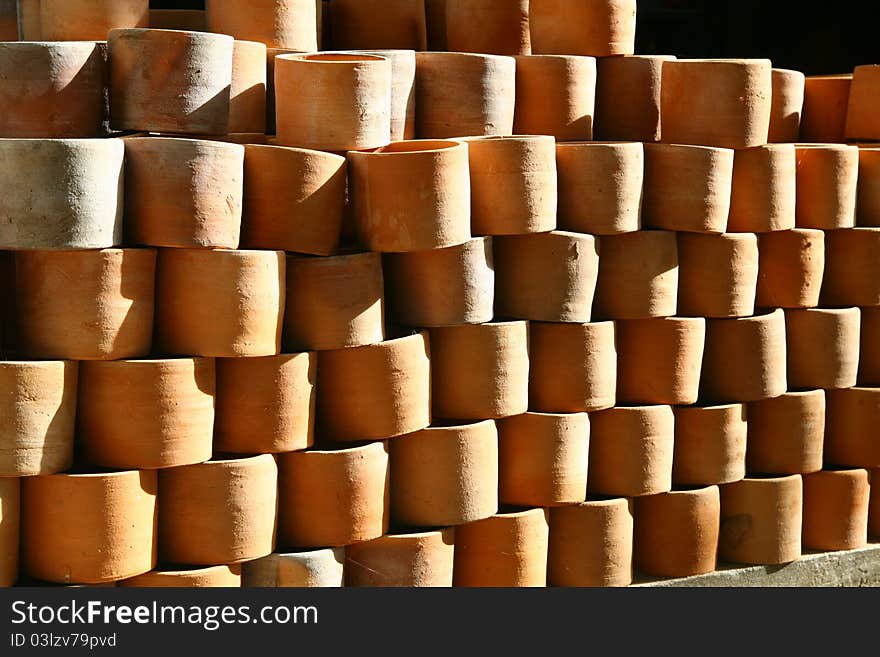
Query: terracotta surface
x=787, y=433
x=710, y=445
x=869, y=353
x=825, y=104
x=403, y=92
x=628, y=97
x=822, y=347
x=836, y=510
x=308, y=569
x=247, y=93
x=402, y=560
x=852, y=268
x=864, y=103
x=868, y=197
x=378, y=24
x=10, y=525
x=179, y=19
x=271, y=54
x=90, y=20
x=787, y=105
x=277, y=23
x=598, y=27
x=498, y=27
x=826, y=185
x=717, y=274
x=790, y=268
x=763, y=192
x=206, y=577
x=851, y=427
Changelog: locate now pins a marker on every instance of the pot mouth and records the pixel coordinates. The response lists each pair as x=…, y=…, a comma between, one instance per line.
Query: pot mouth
x=343, y=448
x=45, y=44
x=548, y=414
x=45, y=362
x=380, y=52
x=761, y=315
x=423, y=334
x=870, y=389
x=690, y=491
x=189, y=33
x=329, y=260
x=337, y=552
x=294, y=149
x=98, y=473
x=152, y=360
x=788, y=70
x=824, y=146
x=441, y=425
x=507, y=138
x=709, y=406
x=235, y=253
x=183, y=141
x=332, y=57
x=403, y=534
x=601, y=501
x=436, y=54
x=233, y=459
x=415, y=146
x=252, y=43
x=582, y=144
x=768, y=478
x=687, y=147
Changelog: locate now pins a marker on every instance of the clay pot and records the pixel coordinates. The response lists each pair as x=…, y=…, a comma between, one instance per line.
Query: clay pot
x=431, y=211
x=744, y=358
x=851, y=422
x=687, y=188
x=787, y=105
x=631, y=451
x=61, y=193
x=52, y=90
x=874, y=506
x=442, y=287
x=10, y=515
x=598, y=27
x=868, y=198
x=28, y=19
x=445, y=475
x=271, y=54
x=506, y=550
x=195, y=20
x=836, y=510
x=403, y=92
x=716, y=102
x=88, y=528
x=555, y=95
x=852, y=268
x=376, y=391
x=869, y=353
x=402, y=560
x=786, y=434
x=207, y=577
x=334, y=498
x=85, y=305
x=277, y=23
x=790, y=268
x=498, y=27
x=168, y=406
x=822, y=347
x=710, y=445
x=247, y=93
x=153, y=87
x=718, y=274
x=825, y=104
x=638, y=275
x=513, y=184
x=826, y=185
x=219, y=512
x=600, y=187
x=628, y=97
x=572, y=368
x=763, y=192
x=333, y=101
x=220, y=303
x=676, y=533
x=435, y=13
x=90, y=20
x=861, y=115
x=462, y=94
x=265, y=405
x=183, y=192
x=480, y=371
x=308, y=569
x=547, y=277
x=378, y=24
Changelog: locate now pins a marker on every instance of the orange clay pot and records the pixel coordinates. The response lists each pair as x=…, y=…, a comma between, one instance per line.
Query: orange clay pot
x=153, y=87
x=555, y=95
x=271, y=54
x=638, y=275
x=506, y=550
x=600, y=187
x=247, y=93
x=628, y=97
x=220, y=303
x=687, y=188
x=442, y=287
x=464, y=95
x=403, y=92
x=874, y=506
x=596, y=27
x=710, y=445
x=431, y=211
x=864, y=103
x=219, y=512
x=825, y=104
x=480, y=371
x=763, y=192
x=359, y=24
x=869, y=353
x=277, y=23
x=790, y=268
x=375, y=392
x=334, y=498
x=787, y=105
x=88, y=528
x=836, y=510
x=718, y=274
x=195, y=20
x=631, y=451
x=676, y=533
x=90, y=20
x=206, y=577
x=265, y=405
x=868, y=198
x=402, y=560
x=85, y=305
x=851, y=423
x=852, y=268
x=547, y=277
x=183, y=192
x=52, y=90
x=308, y=569
x=498, y=27
x=10, y=515
x=826, y=185
x=786, y=434
x=822, y=347
x=573, y=367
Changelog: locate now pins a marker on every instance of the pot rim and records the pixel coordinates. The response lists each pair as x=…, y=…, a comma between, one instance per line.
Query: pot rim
x=710, y=407
x=184, y=572
x=831, y=76
x=331, y=57
x=325, y=260
x=430, y=146
x=689, y=147
x=456, y=425
x=502, y=138
x=46, y=44
x=354, y=449
x=725, y=60
x=295, y=149
x=193, y=34
x=435, y=54
x=182, y=141
x=608, y=143
x=831, y=146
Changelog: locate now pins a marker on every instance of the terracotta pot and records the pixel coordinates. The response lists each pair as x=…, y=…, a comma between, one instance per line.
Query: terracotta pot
x=744, y=358
x=195, y=20
x=822, y=347
x=333, y=101
x=152, y=88
x=825, y=104
x=869, y=352
x=52, y=90
x=206, y=577
x=573, y=367
x=513, y=184
x=29, y=19
x=403, y=91
x=461, y=94
x=826, y=185
x=676, y=533
x=247, y=93
x=787, y=105
x=547, y=277
x=786, y=433
x=718, y=274
x=435, y=13
x=506, y=550
x=375, y=392
x=402, y=560
x=710, y=445
x=597, y=27
x=851, y=427
x=445, y=475
x=62, y=193
x=863, y=105
x=790, y=268
x=638, y=275
x=628, y=97
x=687, y=188
x=183, y=192
x=498, y=27
x=220, y=303
x=763, y=192
x=219, y=512
x=90, y=20
x=442, y=287
x=874, y=506
x=852, y=268
x=480, y=371
x=555, y=95
x=88, y=528
x=85, y=305
x=265, y=405
x=600, y=187
x=271, y=54
x=378, y=24
x=431, y=211
x=631, y=451
x=334, y=498
x=308, y=569
x=10, y=516
x=836, y=510
x=277, y=23
x=868, y=198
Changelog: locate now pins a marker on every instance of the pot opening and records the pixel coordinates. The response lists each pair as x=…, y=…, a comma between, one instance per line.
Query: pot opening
x=340, y=58
x=417, y=146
